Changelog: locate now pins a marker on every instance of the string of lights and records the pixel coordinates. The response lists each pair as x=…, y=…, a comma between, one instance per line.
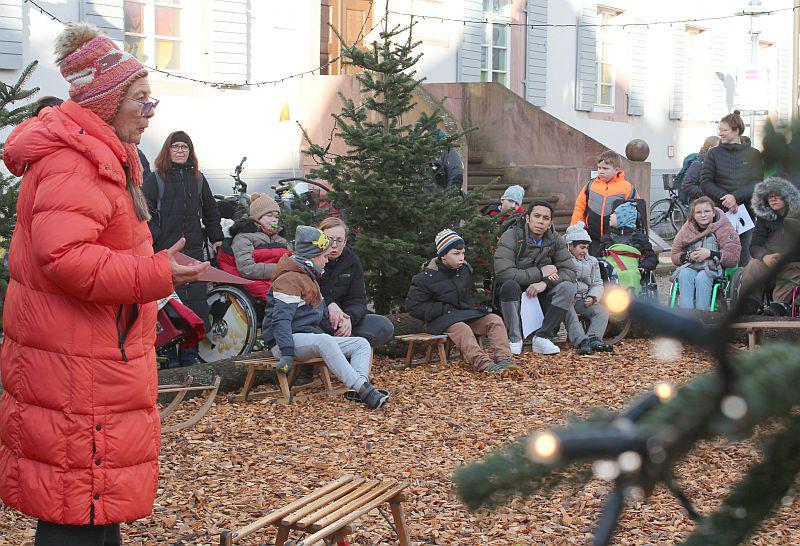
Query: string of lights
x=220, y=84
x=594, y=25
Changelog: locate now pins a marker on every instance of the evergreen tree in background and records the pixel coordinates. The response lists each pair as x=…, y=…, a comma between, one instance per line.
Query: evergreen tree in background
x=382, y=183
x=9, y=185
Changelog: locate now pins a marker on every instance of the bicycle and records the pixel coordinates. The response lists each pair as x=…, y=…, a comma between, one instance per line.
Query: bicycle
x=668, y=215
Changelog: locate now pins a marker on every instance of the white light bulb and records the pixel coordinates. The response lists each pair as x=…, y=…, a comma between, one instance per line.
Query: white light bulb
x=734, y=407
x=666, y=349
x=630, y=461
x=605, y=470
x=543, y=447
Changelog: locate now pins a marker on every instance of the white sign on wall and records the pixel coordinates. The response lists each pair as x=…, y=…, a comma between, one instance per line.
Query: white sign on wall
x=752, y=88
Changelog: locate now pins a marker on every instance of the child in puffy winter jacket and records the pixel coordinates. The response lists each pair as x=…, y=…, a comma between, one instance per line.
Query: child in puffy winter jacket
x=587, y=297
x=296, y=313
x=255, y=247
x=624, y=243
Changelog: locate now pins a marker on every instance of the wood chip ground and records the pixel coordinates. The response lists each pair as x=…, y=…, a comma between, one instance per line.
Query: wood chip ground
x=242, y=460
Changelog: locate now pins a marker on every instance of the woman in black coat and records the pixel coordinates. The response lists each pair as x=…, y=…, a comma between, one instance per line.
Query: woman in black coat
x=180, y=199
x=731, y=171
x=344, y=291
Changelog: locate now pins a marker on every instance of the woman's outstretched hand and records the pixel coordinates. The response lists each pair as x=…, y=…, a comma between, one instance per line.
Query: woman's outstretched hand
x=182, y=274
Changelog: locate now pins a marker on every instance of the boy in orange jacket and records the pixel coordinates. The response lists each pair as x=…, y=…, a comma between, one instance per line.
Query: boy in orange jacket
x=595, y=201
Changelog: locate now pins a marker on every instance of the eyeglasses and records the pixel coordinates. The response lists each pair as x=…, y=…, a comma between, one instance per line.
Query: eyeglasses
x=147, y=105
x=337, y=241
x=179, y=148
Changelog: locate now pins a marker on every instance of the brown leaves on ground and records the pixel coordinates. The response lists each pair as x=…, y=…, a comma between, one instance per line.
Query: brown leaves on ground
x=243, y=460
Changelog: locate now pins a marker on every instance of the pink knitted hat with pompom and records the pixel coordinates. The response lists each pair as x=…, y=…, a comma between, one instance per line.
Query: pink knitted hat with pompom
x=98, y=72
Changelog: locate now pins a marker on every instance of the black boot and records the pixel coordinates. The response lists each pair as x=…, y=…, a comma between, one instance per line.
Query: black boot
x=584, y=348
x=600, y=345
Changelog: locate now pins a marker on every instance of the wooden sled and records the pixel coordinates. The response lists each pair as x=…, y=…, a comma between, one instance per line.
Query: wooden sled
x=180, y=391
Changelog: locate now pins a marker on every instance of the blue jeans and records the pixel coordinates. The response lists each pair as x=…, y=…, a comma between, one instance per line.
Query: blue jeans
x=695, y=289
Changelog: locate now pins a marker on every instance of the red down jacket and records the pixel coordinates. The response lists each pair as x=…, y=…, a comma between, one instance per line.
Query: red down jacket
x=257, y=289
x=79, y=427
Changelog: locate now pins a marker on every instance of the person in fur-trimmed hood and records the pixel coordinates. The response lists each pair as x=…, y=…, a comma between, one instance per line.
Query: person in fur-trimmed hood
x=776, y=205
x=255, y=246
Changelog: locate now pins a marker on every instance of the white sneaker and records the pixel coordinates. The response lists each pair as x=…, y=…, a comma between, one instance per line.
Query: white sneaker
x=544, y=346
x=515, y=347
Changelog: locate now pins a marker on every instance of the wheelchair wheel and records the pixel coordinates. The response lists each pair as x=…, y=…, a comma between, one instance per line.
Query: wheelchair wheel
x=234, y=325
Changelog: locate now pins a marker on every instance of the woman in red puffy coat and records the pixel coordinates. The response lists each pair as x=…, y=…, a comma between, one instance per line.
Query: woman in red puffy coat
x=79, y=427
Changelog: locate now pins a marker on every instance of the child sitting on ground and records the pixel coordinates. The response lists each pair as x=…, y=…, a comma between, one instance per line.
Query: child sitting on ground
x=442, y=297
x=624, y=243
x=295, y=314
x=587, y=297
x=255, y=247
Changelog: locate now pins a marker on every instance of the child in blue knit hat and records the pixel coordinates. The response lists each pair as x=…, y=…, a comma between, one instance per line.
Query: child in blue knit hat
x=624, y=231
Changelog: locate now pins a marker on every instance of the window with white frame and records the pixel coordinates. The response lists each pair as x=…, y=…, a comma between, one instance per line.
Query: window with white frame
x=153, y=32
x=606, y=74
x=496, y=48
x=697, y=81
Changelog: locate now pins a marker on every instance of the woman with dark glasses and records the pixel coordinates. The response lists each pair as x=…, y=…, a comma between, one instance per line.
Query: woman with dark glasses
x=179, y=198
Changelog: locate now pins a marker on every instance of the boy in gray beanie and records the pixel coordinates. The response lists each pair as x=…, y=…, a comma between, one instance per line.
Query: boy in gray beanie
x=587, y=297
x=296, y=313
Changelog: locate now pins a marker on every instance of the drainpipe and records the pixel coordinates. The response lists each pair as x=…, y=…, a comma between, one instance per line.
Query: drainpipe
x=794, y=114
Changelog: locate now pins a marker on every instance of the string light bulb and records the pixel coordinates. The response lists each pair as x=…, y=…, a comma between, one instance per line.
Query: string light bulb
x=665, y=390
x=543, y=447
x=618, y=300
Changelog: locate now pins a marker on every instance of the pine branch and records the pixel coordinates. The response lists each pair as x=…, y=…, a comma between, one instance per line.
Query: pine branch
x=763, y=376
x=763, y=488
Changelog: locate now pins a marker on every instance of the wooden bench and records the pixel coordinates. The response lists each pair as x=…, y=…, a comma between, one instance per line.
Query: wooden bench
x=431, y=340
x=286, y=393
x=328, y=513
x=754, y=329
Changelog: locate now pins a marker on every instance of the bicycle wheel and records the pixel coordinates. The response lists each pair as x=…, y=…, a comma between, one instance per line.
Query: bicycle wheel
x=233, y=325
x=679, y=216
x=662, y=216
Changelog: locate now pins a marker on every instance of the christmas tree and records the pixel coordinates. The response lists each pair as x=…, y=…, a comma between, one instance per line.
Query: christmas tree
x=637, y=449
x=382, y=184
x=10, y=94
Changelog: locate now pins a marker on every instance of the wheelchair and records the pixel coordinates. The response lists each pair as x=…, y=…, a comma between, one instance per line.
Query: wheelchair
x=766, y=296
x=721, y=290
x=619, y=326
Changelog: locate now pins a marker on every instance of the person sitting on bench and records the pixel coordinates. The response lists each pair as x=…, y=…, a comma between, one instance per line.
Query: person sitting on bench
x=296, y=311
x=442, y=297
x=776, y=205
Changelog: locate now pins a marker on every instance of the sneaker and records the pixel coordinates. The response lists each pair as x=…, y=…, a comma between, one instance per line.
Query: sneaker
x=494, y=367
x=600, y=345
x=776, y=309
x=508, y=364
x=585, y=348
x=372, y=397
x=544, y=346
x=515, y=347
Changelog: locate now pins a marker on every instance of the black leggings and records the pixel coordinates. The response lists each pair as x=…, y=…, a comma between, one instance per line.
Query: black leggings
x=53, y=534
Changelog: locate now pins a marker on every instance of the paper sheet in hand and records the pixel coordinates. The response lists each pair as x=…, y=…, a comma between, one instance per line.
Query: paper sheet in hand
x=531, y=312
x=741, y=220
x=212, y=274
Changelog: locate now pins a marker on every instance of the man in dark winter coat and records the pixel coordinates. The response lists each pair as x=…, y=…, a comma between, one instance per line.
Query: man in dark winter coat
x=731, y=171
x=442, y=297
x=532, y=257
x=776, y=205
x=181, y=204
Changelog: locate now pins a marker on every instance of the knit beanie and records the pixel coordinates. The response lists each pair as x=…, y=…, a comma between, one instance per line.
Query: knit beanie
x=626, y=215
x=181, y=136
x=514, y=193
x=99, y=73
x=309, y=242
x=261, y=204
x=445, y=240
x=577, y=233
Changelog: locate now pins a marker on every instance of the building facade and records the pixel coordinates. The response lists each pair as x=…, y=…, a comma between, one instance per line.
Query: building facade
x=228, y=70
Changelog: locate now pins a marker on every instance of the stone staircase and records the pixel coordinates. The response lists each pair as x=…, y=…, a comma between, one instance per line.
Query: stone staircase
x=483, y=173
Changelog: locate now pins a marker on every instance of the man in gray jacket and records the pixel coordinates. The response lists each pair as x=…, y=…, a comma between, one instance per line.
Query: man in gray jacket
x=532, y=257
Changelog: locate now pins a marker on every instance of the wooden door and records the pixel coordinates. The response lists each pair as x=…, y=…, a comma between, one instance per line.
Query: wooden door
x=353, y=19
